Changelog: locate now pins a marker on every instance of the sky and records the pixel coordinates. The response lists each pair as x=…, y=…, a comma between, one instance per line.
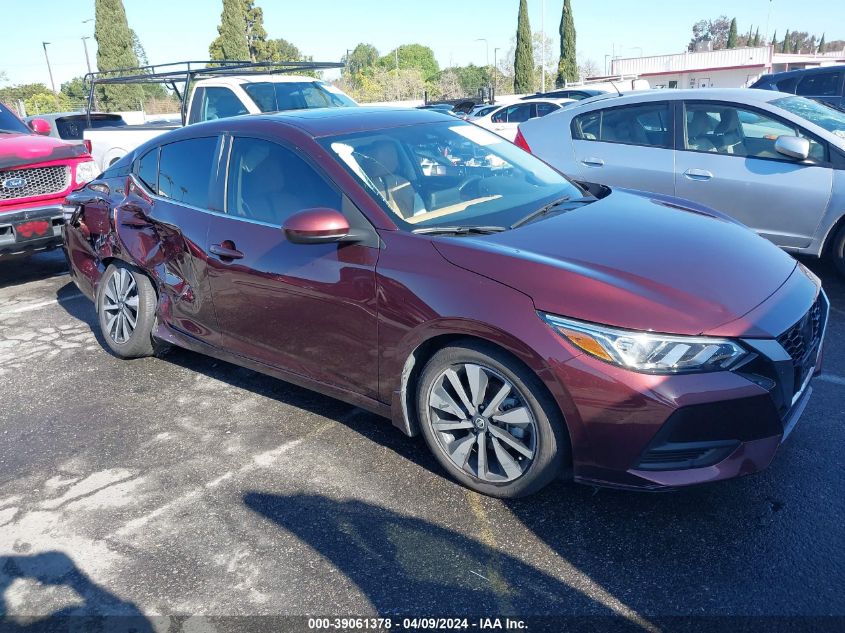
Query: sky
x=177, y=30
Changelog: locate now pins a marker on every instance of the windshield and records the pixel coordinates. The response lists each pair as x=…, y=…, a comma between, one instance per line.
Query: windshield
x=10, y=123
x=300, y=95
x=449, y=174
x=822, y=115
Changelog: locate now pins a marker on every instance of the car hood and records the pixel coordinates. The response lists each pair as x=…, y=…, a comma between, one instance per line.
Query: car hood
x=25, y=149
x=633, y=261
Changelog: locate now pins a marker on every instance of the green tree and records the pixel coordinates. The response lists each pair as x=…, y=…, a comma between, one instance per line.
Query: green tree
x=46, y=102
x=774, y=41
x=231, y=41
x=732, y=35
x=360, y=58
x=822, y=44
x=785, y=47
x=75, y=89
x=412, y=57
x=567, y=68
x=756, y=40
x=114, y=51
x=523, y=61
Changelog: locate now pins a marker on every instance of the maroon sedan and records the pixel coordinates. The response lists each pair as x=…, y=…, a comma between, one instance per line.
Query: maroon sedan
x=426, y=270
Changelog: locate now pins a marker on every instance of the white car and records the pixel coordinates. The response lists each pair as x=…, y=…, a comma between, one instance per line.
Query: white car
x=218, y=98
x=505, y=120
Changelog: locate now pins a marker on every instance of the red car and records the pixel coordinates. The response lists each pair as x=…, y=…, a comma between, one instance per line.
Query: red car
x=427, y=270
x=36, y=173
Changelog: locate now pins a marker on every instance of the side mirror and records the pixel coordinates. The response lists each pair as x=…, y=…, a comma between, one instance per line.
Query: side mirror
x=793, y=147
x=40, y=126
x=318, y=226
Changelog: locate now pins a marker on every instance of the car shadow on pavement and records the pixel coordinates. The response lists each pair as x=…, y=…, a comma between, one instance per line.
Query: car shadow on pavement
x=15, y=271
x=39, y=580
x=408, y=566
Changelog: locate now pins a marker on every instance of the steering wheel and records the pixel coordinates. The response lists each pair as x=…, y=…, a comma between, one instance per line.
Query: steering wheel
x=470, y=188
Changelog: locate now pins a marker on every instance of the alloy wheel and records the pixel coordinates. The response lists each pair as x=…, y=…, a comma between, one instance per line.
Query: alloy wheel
x=483, y=423
x=120, y=305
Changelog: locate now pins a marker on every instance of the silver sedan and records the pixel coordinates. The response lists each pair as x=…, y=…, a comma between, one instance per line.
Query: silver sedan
x=774, y=161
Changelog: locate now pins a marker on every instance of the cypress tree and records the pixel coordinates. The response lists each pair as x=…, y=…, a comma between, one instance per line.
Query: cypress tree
x=567, y=68
x=231, y=42
x=114, y=51
x=774, y=41
x=756, y=41
x=785, y=47
x=523, y=60
x=822, y=44
x=732, y=36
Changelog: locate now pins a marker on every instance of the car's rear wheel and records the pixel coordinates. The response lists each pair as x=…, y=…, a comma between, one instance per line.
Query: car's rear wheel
x=489, y=422
x=126, y=303
x=837, y=250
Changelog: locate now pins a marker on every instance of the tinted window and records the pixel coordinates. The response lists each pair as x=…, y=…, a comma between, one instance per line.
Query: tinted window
x=274, y=97
x=10, y=123
x=185, y=170
x=71, y=127
x=519, y=113
x=267, y=182
x=220, y=103
x=725, y=129
x=646, y=124
x=147, y=169
x=546, y=108
x=500, y=117
x=819, y=85
x=787, y=85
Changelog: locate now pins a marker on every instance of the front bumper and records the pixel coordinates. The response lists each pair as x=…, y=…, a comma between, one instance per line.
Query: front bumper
x=11, y=243
x=657, y=432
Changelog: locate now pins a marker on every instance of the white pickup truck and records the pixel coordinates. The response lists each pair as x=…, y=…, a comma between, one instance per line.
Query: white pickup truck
x=219, y=97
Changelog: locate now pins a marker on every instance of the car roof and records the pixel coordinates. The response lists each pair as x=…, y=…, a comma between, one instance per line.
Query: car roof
x=256, y=78
x=805, y=71
x=320, y=122
x=58, y=115
x=740, y=95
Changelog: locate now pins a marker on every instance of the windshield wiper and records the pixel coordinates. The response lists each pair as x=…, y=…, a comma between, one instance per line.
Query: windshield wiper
x=548, y=208
x=459, y=230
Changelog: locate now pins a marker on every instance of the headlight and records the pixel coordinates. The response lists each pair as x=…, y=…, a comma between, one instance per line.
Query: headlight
x=649, y=352
x=86, y=171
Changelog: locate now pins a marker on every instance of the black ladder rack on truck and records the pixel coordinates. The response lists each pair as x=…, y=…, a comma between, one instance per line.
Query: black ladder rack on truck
x=184, y=73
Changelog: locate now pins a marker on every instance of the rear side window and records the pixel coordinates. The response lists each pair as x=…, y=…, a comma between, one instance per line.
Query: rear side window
x=269, y=183
x=147, y=169
x=546, y=108
x=646, y=124
x=72, y=127
x=185, y=169
x=787, y=85
x=820, y=85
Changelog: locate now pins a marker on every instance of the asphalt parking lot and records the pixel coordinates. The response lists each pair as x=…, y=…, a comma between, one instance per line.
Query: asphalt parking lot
x=182, y=485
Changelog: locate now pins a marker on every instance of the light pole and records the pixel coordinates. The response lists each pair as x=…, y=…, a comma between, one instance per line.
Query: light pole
x=85, y=46
x=495, y=71
x=49, y=70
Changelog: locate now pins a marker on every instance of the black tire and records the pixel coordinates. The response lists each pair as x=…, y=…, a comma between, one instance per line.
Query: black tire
x=548, y=435
x=837, y=250
x=139, y=342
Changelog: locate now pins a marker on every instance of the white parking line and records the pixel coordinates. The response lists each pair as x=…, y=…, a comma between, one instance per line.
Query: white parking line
x=832, y=378
x=38, y=306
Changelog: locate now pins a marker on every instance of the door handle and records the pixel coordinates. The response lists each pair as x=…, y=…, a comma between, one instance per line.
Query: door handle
x=698, y=174
x=224, y=252
x=593, y=162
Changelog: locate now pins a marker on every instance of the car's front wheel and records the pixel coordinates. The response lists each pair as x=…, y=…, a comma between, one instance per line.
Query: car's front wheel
x=489, y=422
x=126, y=303
x=837, y=250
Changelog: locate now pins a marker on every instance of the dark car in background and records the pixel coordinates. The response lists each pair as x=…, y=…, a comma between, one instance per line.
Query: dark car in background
x=826, y=83
x=70, y=125
x=525, y=325
x=576, y=94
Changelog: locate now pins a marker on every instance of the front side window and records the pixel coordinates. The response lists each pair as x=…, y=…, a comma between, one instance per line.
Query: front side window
x=268, y=183
x=296, y=95
x=820, y=85
x=648, y=124
x=820, y=114
x=9, y=123
x=220, y=103
x=185, y=169
x=447, y=174
x=725, y=129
